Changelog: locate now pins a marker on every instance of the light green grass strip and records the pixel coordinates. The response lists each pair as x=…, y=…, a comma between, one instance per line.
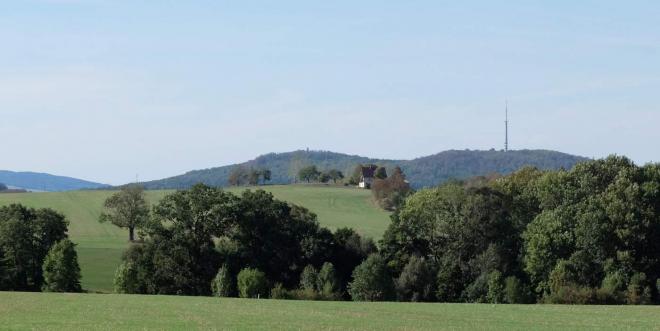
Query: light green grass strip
x=23, y=311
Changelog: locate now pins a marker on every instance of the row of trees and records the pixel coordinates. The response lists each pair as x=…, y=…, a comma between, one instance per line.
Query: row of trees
x=35, y=252
x=312, y=174
x=241, y=175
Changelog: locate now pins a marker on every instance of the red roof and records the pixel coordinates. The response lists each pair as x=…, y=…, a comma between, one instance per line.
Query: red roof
x=369, y=171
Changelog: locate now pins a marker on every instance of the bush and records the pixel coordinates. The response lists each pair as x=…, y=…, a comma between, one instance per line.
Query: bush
x=416, y=281
x=126, y=279
x=372, y=281
x=515, y=292
x=477, y=292
x=578, y=295
x=639, y=293
x=61, y=270
x=614, y=282
x=223, y=285
x=280, y=293
x=328, y=283
x=309, y=278
x=495, y=287
x=252, y=283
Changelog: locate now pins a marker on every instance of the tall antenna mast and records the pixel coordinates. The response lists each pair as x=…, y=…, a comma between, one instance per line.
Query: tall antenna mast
x=506, y=125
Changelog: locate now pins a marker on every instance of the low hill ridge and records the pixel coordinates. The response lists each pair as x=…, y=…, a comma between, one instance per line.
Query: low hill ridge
x=421, y=172
x=45, y=182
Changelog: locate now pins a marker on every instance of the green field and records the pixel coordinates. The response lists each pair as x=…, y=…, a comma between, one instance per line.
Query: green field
x=100, y=245
x=122, y=312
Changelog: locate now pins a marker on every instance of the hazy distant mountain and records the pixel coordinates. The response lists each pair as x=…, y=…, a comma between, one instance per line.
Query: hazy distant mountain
x=45, y=182
x=422, y=172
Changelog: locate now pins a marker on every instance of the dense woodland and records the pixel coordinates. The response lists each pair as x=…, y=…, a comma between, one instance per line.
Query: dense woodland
x=422, y=172
x=588, y=235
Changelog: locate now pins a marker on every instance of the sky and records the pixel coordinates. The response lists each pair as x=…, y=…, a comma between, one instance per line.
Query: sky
x=106, y=90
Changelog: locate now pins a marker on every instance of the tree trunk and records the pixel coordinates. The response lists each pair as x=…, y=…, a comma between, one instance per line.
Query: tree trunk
x=131, y=234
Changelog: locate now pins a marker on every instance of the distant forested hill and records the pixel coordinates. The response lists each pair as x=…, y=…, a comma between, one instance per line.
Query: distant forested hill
x=425, y=171
x=45, y=182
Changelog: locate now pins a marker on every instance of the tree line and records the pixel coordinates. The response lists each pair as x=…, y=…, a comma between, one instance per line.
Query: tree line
x=311, y=174
x=589, y=235
x=241, y=175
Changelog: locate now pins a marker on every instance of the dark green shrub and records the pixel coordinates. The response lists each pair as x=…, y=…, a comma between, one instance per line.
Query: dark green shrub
x=126, y=279
x=280, y=293
x=477, y=291
x=252, y=283
x=495, y=287
x=416, y=282
x=515, y=292
x=328, y=283
x=639, y=293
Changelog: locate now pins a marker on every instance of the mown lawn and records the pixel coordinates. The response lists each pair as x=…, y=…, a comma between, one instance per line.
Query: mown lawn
x=100, y=245
x=21, y=311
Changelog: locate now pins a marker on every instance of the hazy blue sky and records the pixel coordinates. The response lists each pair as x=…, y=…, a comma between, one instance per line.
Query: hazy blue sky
x=105, y=89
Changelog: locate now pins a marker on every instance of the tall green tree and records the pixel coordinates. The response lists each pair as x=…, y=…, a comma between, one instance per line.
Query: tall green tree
x=61, y=269
x=128, y=209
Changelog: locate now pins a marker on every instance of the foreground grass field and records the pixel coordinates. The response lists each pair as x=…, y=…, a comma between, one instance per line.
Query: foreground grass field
x=122, y=312
x=100, y=245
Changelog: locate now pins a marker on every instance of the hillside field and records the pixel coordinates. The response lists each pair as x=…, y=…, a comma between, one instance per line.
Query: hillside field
x=123, y=312
x=100, y=245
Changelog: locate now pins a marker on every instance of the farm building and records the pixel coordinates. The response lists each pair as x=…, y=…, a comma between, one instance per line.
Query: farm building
x=367, y=176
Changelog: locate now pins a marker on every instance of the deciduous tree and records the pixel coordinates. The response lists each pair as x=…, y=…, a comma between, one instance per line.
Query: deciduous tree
x=127, y=208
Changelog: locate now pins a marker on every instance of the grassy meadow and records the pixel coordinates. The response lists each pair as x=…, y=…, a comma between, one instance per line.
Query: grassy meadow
x=122, y=312
x=100, y=245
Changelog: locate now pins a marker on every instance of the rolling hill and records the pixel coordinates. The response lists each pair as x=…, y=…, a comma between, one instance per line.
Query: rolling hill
x=421, y=172
x=45, y=182
x=100, y=246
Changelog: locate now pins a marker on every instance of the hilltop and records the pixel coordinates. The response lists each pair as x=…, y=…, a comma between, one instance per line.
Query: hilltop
x=35, y=181
x=421, y=172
